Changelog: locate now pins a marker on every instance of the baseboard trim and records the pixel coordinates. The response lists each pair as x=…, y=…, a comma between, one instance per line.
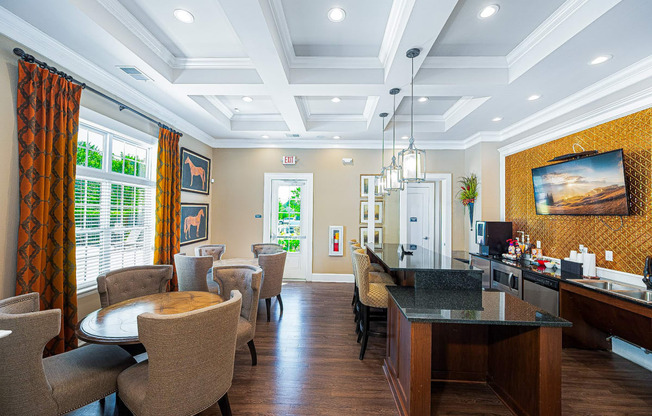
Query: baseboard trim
x=332, y=277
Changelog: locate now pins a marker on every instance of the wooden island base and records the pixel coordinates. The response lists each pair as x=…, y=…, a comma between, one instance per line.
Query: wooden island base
x=521, y=364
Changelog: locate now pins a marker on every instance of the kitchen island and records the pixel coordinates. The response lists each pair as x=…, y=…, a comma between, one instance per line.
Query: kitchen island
x=472, y=336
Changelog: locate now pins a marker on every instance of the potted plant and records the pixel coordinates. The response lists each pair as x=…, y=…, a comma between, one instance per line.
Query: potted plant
x=468, y=193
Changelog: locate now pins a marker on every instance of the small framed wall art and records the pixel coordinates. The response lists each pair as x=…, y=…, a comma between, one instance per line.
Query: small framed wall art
x=378, y=212
x=378, y=237
x=364, y=187
x=336, y=240
x=194, y=223
x=195, y=172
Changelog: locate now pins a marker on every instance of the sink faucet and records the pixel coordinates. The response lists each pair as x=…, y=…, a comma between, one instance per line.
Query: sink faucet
x=647, y=273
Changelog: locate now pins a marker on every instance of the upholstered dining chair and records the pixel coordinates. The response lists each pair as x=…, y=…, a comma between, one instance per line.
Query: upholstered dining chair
x=33, y=385
x=265, y=248
x=190, y=361
x=273, y=266
x=132, y=282
x=247, y=280
x=192, y=273
x=371, y=295
x=215, y=250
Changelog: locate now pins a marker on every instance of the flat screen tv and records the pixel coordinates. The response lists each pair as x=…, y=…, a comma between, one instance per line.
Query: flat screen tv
x=593, y=185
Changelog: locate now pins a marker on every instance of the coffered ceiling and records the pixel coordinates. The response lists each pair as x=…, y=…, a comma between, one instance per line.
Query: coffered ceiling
x=256, y=73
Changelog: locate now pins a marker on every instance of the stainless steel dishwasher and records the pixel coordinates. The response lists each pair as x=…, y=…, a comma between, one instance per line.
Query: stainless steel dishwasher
x=541, y=292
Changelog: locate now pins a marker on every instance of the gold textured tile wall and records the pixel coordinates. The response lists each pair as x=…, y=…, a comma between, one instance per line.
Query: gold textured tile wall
x=561, y=233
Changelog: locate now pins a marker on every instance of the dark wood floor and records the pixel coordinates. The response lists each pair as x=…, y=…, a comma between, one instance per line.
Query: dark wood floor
x=308, y=365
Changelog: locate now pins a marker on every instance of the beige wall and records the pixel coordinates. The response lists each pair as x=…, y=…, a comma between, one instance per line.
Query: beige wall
x=237, y=196
x=9, y=206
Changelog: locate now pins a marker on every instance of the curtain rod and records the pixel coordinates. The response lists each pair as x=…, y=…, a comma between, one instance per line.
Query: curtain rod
x=31, y=59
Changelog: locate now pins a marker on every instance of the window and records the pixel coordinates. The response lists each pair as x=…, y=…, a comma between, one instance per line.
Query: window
x=114, y=203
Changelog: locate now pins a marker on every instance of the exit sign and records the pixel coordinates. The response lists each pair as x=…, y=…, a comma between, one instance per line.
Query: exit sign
x=289, y=160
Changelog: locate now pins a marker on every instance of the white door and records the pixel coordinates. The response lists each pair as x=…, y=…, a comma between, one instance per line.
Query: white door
x=288, y=224
x=421, y=215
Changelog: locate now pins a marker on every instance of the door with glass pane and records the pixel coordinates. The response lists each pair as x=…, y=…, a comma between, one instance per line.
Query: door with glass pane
x=287, y=224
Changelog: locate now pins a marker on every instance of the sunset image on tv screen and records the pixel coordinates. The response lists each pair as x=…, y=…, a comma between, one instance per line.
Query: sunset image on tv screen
x=591, y=186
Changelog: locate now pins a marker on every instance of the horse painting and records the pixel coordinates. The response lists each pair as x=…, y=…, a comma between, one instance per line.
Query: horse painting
x=190, y=222
x=196, y=171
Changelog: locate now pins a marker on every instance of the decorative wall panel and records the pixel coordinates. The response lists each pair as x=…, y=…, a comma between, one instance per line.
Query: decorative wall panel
x=561, y=233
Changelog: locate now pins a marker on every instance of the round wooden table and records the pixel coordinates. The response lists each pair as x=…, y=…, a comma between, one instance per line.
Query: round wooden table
x=248, y=261
x=117, y=324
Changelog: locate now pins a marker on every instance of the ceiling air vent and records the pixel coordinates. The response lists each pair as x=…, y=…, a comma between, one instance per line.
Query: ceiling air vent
x=292, y=135
x=135, y=73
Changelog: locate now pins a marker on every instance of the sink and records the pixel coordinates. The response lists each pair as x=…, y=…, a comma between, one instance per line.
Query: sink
x=644, y=295
x=603, y=284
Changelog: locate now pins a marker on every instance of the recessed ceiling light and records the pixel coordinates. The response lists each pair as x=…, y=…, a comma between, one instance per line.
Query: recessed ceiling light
x=247, y=99
x=236, y=109
x=423, y=99
x=336, y=14
x=600, y=59
x=336, y=99
x=184, y=16
x=404, y=137
x=336, y=137
x=488, y=11
x=264, y=136
x=533, y=97
x=496, y=119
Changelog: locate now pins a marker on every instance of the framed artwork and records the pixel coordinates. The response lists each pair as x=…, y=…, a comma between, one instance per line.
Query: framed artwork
x=378, y=236
x=194, y=223
x=336, y=240
x=378, y=211
x=364, y=187
x=195, y=172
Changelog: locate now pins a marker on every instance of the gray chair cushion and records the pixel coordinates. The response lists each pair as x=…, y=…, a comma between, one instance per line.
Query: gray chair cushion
x=245, y=332
x=133, y=386
x=85, y=375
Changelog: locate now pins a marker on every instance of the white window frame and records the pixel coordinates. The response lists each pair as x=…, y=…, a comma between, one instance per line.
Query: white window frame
x=116, y=130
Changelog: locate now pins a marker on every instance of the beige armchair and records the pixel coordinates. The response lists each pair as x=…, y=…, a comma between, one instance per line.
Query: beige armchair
x=265, y=248
x=192, y=273
x=132, y=282
x=247, y=280
x=33, y=385
x=273, y=266
x=215, y=250
x=190, y=361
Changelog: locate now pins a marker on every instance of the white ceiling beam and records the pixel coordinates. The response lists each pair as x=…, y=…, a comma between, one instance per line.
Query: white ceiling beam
x=567, y=21
x=255, y=25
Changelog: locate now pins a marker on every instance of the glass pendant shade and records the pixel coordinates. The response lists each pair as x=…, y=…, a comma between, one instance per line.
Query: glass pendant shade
x=413, y=161
x=394, y=176
x=379, y=181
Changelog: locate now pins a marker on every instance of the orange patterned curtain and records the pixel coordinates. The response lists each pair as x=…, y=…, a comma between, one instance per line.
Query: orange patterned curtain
x=168, y=201
x=48, y=120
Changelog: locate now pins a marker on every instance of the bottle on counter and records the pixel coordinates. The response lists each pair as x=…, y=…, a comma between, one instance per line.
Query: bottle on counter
x=511, y=249
x=518, y=250
x=527, y=250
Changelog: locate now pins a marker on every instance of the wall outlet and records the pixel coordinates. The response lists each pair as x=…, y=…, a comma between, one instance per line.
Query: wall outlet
x=609, y=255
x=538, y=244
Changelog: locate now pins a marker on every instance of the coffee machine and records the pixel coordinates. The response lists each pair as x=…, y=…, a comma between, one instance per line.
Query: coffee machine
x=492, y=237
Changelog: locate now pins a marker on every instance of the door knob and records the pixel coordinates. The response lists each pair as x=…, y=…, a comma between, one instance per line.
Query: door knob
x=425, y=238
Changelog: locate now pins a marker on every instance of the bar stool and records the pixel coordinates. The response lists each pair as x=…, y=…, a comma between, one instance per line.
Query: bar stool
x=371, y=295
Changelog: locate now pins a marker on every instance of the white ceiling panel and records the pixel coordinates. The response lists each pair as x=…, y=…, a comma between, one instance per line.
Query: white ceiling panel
x=209, y=36
x=467, y=35
x=434, y=105
x=259, y=105
x=313, y=34
x=325, y=105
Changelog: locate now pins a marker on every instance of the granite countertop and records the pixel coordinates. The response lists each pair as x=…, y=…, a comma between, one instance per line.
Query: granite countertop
x=420, y=259
x=488, y=307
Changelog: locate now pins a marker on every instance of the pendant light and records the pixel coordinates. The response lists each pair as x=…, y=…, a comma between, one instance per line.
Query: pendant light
x=381, y=179
x=412, y=159
x=394, y=172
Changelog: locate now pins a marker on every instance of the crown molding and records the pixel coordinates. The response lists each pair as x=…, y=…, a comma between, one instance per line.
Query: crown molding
x=213, y=63
x=465, y=62
x=39, y=43
x=399, y=15
x=139, y=30
x=328, y=144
